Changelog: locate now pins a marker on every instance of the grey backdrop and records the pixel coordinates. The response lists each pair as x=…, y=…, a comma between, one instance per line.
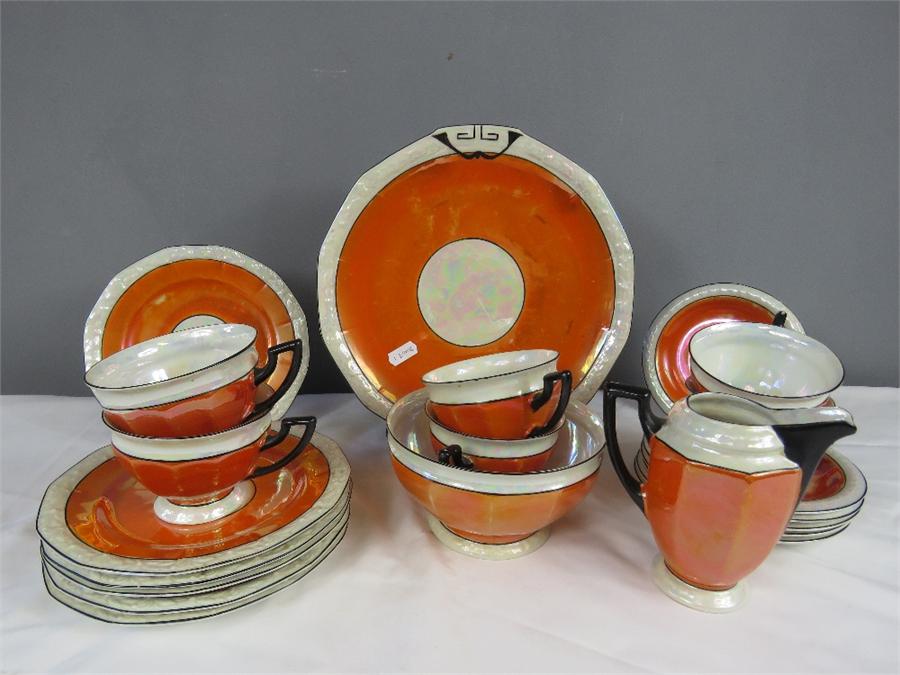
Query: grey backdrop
x=738, y=142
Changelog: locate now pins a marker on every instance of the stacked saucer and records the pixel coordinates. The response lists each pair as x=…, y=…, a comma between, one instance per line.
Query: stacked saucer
x=834, y=497
x=208, y=498
x=107, y=555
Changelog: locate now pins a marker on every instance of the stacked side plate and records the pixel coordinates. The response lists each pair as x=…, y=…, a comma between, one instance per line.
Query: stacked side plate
x=834, y=497
x=105, y=554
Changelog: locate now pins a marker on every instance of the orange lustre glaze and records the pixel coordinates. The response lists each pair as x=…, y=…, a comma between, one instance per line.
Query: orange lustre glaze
x=161, y=299
x=183, y=482
x=522, y=208
x=509, y=418
x=672, y=356
x=112, y=512
x=207, y=413
x=714, y=526
x=491, y=518
x=827, y=480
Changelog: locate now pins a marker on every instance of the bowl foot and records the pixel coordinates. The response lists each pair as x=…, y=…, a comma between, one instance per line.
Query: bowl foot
x=475, y=549
x=700, y=599
x=206, y=513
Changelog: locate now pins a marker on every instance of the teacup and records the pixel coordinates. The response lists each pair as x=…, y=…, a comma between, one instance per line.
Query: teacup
x=199, y=478
x=504, y=396
x=771, y=365
x=492, y=455
x=188, y=383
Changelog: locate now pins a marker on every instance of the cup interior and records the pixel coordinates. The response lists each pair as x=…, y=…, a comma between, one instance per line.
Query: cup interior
x=766, y=360
x=170, y=356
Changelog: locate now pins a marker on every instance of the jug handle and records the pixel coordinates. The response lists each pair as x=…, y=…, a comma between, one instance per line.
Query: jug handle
x=611, y=392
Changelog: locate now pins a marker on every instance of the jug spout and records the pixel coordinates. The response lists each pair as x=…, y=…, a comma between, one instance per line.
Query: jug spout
x=808, y=433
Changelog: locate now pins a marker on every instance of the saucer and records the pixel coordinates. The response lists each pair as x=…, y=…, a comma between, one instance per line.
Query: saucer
x=665, y=359
x=189, y=286
x=474, y=239
x=97, y=516
x=228, y=600
x=212, y=579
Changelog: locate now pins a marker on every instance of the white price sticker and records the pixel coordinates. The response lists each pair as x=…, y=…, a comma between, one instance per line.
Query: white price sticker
x=403, y=353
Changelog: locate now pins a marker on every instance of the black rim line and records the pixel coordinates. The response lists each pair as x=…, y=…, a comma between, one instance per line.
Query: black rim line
x=598, y=454
x=368, y=404
x=132, y=387
x=646, y=345
x=786, y=398
x=555, y=430
x=331, y=471
x=320, y=538
x=419, y=279
x=132, y=590
x=327, y=552
x=491, y=377
x=180, y=400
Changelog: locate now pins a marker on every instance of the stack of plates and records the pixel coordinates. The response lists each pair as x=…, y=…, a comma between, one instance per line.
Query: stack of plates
x=105, y=553
x=834, y=497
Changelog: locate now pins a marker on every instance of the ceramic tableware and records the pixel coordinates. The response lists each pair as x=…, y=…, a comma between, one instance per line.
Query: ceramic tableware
x=97, y=521
x=724, y=478
x=473, y=240
x=505, y=396
x=188, y=383
x=190, y=286
x=665, y=360
x=487, y=454
x=493, y=515
x=771, y=365
x=198, y=479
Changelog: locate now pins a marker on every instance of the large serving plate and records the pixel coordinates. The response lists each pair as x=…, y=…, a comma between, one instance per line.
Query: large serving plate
x=93, y=519
x=188, y=286
x=666, y=361
x=472, y=240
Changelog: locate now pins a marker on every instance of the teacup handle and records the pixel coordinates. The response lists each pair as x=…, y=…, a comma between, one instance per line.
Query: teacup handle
x=779, y=319
x=539, y=399
x=452, y=455
x=649, y=423
x=262, y=374
x=283, y=432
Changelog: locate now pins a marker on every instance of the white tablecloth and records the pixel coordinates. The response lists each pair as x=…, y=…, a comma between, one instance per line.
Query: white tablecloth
x=391, y=598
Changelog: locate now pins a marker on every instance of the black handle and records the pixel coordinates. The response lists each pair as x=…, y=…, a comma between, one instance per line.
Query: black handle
x=611, y=392
x=283, y=432
x=779, y=319
x=539, y=399
x=452, y=456
x=260, y=375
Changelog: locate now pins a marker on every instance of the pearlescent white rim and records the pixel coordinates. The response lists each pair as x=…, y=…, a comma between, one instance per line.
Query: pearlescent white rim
x=491, y=377
x=473, y=138
x=771, y=303
x=576, y=456
x=792, y=539
x=173, y=367
x=206, y=513
x=54, y=531
x=845, y=501
x=231, y=598
x=487, y=447
x=701, y=599
x=115, y=289
x=475, y=549
x=206, y=580
x=773, y=366
x=192, y=447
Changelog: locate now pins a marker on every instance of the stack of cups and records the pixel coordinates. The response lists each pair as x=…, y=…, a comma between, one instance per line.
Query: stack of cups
x=498, y=413
x=190, y=415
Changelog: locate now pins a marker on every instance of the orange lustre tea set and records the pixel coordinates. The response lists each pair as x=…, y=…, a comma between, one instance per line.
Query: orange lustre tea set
x=475, y=289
